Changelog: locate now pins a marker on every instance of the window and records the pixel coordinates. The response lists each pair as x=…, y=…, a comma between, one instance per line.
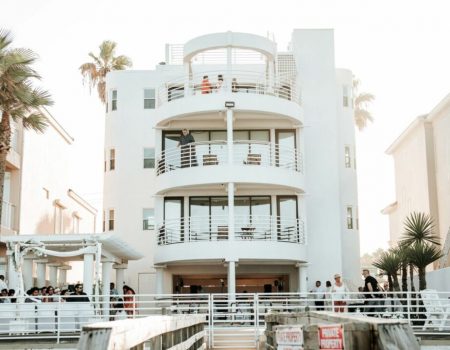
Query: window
x=357, y=218
x=114, y=100
x=149, y=158
x=148, y=219
x=348, y=157
x=350, y=218
x=104, y=222
x=58, y=216
x=149, y=98
x=111, y=220
x=112, y=159
x=105, y=162
x=76, y=223
x=346, y=96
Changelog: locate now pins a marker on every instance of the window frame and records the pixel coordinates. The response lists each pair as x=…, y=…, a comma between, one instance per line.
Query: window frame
x=348, y=156
x=149, y=159
x=145, y=220
x=349, y=218
x=112, y=159
x=150, y=98
x=111, y=222
x=114, y=100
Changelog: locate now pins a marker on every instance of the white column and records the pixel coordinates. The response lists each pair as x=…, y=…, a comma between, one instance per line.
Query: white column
x=186, y=219
x=27, y=273
x=120, y=276
x=273, y=140
x=160, y=279
x=88, y=270
x=62, y=278
x=274, y=219
x=230, y=186
x=231, y=280
x=53, y=274
x=302, y=277
x=13, y=280
x=41, y=267
x=106, y=280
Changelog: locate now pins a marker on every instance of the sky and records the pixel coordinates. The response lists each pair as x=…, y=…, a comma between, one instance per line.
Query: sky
x=398, y=49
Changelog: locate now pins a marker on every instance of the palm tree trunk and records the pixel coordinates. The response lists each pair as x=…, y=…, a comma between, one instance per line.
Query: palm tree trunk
x=5, y=141
x=390, y=282
x=395, y=284
x=411, y=277
x=422, y=279
x=404, y=277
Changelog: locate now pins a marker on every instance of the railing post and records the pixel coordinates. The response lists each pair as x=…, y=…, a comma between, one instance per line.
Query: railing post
x=408, y=304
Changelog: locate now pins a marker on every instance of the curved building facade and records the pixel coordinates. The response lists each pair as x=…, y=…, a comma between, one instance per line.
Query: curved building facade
x=262, y=197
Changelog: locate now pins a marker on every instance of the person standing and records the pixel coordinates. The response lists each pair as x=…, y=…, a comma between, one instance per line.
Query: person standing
x=188, y=156
x=206, y=85
x=370, y=287
x=339, y=291
x=3, y=284
x=319, y=296
x=78, y=295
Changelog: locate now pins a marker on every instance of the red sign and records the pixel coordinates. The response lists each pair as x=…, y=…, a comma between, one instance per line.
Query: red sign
x=331, y=336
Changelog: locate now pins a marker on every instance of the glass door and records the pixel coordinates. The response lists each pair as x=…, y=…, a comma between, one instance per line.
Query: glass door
x=173, y=218
x=285, y=154
x=287, y=226
x=199, y=218
x=171, y=159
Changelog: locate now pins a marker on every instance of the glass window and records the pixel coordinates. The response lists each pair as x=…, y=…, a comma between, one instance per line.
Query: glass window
x=114, y=100
x=173, y=218
x=149, y=99
x=348, y=157
x=285, y=153
x=104, y=222
x=148, y=219
x=111, y=220
x=149, y=158
x=346, y=96
x=112, y=159
x=350, y=218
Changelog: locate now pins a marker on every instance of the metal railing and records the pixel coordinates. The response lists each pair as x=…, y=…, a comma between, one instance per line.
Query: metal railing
x=249, y=152
x=246, y=228
x=8, y=215
x=234, y=320
x=241, y=82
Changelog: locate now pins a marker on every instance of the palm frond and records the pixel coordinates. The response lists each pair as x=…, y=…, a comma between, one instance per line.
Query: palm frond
x=6, y=39
x=121, y=62
x=363, y=98
x=422, y=254
x=389, y=262
x=419, y=228
x=35, y=121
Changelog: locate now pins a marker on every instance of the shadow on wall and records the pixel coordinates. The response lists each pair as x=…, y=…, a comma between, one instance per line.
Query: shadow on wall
x=46, y=225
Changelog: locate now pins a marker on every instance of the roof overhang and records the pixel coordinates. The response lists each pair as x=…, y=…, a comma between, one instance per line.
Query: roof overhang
x=389, y=209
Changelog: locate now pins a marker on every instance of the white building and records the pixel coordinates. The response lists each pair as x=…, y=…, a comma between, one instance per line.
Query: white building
x=266, y=199
x=38, y=197
x=422, y=174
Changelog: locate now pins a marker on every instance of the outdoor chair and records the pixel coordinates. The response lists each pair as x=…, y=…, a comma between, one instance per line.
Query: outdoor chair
x=437, y=310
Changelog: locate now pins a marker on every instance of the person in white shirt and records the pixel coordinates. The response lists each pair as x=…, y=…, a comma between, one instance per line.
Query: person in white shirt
x=339, y=291
x=319, y=296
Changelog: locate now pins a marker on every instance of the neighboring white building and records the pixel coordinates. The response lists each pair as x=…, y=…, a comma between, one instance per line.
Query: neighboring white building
x=268, y=199
x=422, y=174
x=38, y=197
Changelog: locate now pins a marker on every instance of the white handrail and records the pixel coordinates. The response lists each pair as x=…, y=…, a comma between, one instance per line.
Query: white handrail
x=246, y=227
x=246, y=152
x=282, y=86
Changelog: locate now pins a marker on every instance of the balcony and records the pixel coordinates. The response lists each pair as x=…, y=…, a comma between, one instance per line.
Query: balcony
x=208, y=162
x=251, y=90
x=210, y=153
x=246, y=229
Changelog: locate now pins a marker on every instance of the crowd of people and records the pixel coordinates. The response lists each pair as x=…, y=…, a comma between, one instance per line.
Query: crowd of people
x=338, y=296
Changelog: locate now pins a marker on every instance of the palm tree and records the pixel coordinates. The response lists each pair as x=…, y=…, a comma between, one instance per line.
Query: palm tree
x=360, y=103
x=19, y=99
x=390, y=263
x=402, y=253
x=419, y=228
x=422, y=255
x=104, y=63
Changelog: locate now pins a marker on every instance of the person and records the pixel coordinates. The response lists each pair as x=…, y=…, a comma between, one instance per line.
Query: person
x=11, y=294
x=33, y=296
x=206, y=85
x=112, y=289
x=63, y=295
x=188, y=156
x=120, y=313
x=129, y=302
x=319, y=296
x=50, y=295
x=328, y=288
x=370, y=287
x=78, y=295
x=3, y=284
x=4, y=296
x=234, y=85
x=339, y=291
x=219, y=85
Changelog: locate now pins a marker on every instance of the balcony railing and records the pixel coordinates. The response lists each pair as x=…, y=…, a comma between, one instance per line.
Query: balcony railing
x=8, y=215
x=256, y=153
x=241, y=82
x=246, y=228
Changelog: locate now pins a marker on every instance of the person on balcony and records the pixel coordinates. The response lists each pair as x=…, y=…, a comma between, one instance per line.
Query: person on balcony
x=219, y=85
x=206, y=85
x=188, y=155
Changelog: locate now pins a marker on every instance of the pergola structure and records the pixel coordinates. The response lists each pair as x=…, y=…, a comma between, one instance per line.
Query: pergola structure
x=56, y=251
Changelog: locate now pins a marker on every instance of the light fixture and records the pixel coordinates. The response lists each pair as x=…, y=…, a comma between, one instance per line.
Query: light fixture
x=229, y=104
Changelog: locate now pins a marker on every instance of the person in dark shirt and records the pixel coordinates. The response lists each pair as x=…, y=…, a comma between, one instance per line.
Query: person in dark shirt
x=188, y=155
x=370, y=287
x=78, y=295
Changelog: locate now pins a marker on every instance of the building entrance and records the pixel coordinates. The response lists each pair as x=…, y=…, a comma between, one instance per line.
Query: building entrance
x=270, y=283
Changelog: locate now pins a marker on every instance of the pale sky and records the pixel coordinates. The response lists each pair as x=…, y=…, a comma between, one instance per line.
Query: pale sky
x=399, y=49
